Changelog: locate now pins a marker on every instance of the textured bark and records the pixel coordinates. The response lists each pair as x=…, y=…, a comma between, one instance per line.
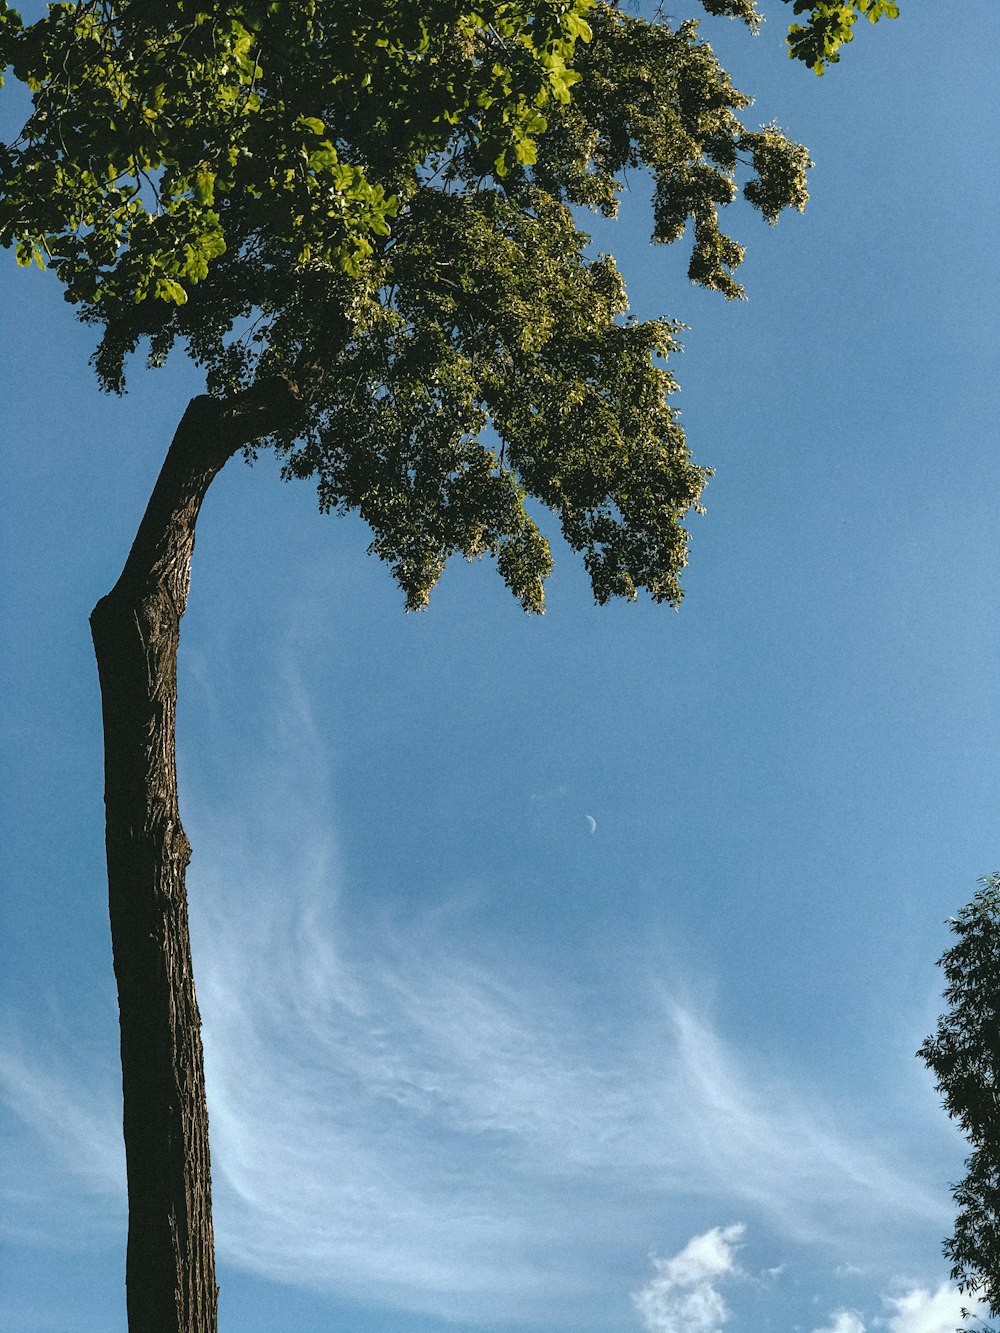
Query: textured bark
x=170, y=1267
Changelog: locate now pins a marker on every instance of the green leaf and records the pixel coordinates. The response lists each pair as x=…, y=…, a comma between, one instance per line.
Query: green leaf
x=526, y=152
x=28, y=253
x=325, y=156
x=166, y=289
x=204, y=186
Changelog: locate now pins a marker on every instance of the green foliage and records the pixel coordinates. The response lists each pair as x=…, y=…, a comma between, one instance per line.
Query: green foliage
x=148, y=116
x=10, y=25
x=964, y=1056
x=650, y=96
x=507, y=321
x=734, y=9
x=372, y=201
x=831, y=26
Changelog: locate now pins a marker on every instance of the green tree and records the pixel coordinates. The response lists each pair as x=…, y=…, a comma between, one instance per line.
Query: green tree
x=964, y=1056
x=357, y=216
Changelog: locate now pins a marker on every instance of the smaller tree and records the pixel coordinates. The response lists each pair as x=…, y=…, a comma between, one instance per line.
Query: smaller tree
x=964, y=1056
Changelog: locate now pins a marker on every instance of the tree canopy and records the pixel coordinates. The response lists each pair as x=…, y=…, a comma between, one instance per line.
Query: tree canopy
x=377, y=204
x=374, y=203
x=964, y=1056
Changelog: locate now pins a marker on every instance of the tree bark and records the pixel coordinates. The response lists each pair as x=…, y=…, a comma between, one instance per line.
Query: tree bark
x=170, y=1264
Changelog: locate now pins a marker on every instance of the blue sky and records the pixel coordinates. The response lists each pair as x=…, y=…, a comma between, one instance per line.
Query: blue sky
x=471, y=1065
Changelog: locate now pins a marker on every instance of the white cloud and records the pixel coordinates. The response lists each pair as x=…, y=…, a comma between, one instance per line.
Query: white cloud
x=392, y=1113
x=682, y=1296
x=705, y=1256
x=844, y=1321
x=922, y=1311
x=916, y=1311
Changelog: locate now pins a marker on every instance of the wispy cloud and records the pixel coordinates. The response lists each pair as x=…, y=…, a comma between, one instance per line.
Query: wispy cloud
x=73, y=1111
x=388, y=1112
x=395, y=1119
x=774, y=1146
x=683, y=1296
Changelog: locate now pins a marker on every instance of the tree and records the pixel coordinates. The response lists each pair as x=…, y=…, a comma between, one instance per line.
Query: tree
x=357, y=218
x=964, y=1056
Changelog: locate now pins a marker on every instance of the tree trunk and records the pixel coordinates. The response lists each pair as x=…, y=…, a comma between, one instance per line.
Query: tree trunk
x=170, y=1266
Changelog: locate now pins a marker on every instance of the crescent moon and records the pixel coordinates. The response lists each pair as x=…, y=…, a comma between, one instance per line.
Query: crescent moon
x=591, y=822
